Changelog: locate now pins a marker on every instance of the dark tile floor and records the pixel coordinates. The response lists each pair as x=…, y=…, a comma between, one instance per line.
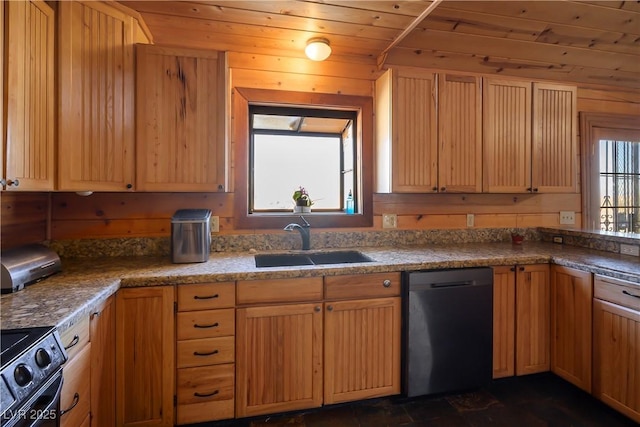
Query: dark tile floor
x=532, y=400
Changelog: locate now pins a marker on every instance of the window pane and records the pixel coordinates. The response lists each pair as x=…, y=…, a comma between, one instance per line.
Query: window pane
x=282, y=163
x=620, y=186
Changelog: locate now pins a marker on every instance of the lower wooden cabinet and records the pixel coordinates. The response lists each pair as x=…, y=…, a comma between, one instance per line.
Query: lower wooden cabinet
x=145, y=361
x=616, y=345
x=205, y=352
x=75, y=400
x=103, y=364
x=279, y=358
x=521, y=320
x=571, y=325
x=361, y=349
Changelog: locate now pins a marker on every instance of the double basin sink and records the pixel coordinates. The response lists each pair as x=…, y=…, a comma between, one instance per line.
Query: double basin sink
x=311, y=258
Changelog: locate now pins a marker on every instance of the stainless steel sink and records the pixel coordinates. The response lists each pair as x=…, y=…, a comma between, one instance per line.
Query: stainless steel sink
x=312, y=258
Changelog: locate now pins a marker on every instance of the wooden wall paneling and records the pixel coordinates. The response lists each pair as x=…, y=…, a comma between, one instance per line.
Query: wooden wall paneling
x=460, y=133
x=414, y=154
x=130, y=214
x=30, y=125
x=23, y=218
x=96, y=88
x=507, y=136
x=554, y=154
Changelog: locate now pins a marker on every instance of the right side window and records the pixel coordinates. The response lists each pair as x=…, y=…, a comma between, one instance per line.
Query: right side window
x=619, y=182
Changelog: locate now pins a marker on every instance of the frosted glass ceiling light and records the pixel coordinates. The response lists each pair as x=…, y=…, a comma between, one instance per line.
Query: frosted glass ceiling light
x=318, y=49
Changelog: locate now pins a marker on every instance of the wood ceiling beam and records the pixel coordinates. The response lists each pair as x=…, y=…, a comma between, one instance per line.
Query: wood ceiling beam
x=406, y=31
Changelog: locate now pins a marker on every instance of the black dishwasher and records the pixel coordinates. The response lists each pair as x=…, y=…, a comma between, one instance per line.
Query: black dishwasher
x=448, y=330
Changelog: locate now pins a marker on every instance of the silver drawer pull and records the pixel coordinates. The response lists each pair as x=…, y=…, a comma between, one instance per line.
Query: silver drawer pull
x=630, y=294
x=74, y=341
x=213, y=393
x=211, y=353
x=386, y=283
x=215, y=325
x=207, y=297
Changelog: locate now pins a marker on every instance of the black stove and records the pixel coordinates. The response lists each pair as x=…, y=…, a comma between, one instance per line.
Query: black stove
x=31, y=376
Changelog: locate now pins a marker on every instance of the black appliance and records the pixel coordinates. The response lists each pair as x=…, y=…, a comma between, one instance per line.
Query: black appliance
x=31, y=377
x=448, y=330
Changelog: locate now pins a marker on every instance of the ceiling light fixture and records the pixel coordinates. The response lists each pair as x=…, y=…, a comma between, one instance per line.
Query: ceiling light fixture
x=318, y=49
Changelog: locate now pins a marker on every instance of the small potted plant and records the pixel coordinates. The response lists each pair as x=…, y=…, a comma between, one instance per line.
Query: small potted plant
x=302, y=200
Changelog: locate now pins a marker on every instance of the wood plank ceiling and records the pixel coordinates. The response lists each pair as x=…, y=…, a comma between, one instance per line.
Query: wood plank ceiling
x=594, y=42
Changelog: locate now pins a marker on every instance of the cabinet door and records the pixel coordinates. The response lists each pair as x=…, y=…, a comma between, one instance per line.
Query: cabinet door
x=414, y=148
x=571, y=301
x=507, y=136
x=96, y=97
x=180, y=120
x=30, y=96
x=75, y=397
x=361, y=349
x=145, y=361
x=504, y=325
x=460, y=136
x=278, y=358
x=616, y=357
x=554, y=154
x=103, y=365
x=532, y=319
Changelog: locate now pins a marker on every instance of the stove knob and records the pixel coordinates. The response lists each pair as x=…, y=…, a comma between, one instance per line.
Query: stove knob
x=43, y=359
x=22, y=375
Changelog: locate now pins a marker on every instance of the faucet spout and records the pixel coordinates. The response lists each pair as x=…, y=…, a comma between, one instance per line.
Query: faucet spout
x=305, y=232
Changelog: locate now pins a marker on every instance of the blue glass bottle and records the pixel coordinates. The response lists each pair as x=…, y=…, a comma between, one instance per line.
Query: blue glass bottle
x=349, y=206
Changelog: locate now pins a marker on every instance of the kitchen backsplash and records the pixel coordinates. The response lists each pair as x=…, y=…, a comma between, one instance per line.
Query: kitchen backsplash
x=160, y=246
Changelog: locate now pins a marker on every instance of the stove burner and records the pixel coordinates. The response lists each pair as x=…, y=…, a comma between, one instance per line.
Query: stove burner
x=31, y=359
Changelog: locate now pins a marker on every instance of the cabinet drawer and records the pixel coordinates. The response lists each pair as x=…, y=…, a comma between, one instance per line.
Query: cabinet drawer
x=76, y=337
x=279, y=290
x=206, y=296
x=362, y=286
x=205, y=393
x=206, y=351
x=75, y=398
x=206, y=324
x=617, y=291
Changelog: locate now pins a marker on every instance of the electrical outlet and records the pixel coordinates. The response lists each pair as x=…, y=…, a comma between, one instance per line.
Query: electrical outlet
x=567, y=217
x=389, y=221
x=558, y=239
x=215, y=224
x=470, y=220
x=632, y=250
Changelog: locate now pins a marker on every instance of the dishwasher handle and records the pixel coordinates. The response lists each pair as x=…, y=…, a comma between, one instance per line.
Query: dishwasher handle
x=450, y=284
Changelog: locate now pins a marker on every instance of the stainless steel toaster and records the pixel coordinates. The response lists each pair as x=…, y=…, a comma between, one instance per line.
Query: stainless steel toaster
x=25, y=265
x=190, y=235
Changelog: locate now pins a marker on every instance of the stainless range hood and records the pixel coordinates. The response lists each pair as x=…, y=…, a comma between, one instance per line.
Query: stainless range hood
x=26, y=265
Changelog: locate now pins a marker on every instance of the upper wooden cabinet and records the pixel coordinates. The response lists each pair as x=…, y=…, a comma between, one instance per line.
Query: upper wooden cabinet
x=180, y=120
x=96, y=117
x=507, y=136
x=406, y=132
x=530, y=139
x=554, y=140
x=459, y=134
x=28, y=137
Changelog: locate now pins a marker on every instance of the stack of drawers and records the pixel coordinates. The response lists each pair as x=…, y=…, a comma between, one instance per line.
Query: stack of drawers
x=75, y=398
x=205, y=352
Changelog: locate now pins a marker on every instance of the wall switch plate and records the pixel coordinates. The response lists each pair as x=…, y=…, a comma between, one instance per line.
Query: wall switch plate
x=567, y=217
x=389, y=221
x=632, y=250
x=558, y=239
x=214, y=222
x=471, y=219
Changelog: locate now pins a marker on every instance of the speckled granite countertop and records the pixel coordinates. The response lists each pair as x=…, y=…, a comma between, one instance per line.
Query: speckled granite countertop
x=65, y=298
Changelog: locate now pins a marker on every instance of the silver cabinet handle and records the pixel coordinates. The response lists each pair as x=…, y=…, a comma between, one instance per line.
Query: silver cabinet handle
x=14, y=182
x=76, y=399
x=386, y=283
x=74, y=341
x=630, y=294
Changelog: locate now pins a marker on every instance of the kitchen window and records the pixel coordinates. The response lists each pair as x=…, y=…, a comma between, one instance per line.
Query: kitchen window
x=293, y=148
x=611, y=172
x=287, y=140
